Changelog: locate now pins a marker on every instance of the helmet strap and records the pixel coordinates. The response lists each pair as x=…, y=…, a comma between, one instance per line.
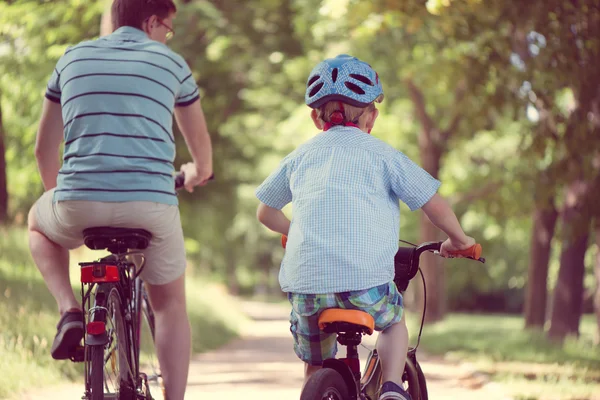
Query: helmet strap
x=338, y=117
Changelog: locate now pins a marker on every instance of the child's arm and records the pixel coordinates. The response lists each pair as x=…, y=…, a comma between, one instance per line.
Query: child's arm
x=273, y=219
x=441, y=215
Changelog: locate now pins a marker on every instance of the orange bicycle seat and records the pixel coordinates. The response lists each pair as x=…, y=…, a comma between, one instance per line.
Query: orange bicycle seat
x=340, y=320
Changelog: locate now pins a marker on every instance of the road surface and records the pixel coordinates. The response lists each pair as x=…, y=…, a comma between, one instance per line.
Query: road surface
x=262, y=365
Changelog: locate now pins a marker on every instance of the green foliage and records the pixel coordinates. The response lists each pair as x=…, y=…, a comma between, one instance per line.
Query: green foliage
x=502, y=84
x=501, y=338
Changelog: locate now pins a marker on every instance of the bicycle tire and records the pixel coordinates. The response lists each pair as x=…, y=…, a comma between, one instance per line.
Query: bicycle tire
x=110, y=310
x=410, y=378
x=154, y=382
x=422, y=383
x=326, y=383
x=97, y=374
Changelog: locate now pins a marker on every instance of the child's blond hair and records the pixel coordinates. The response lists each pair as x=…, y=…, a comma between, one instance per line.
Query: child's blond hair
x=352, y=113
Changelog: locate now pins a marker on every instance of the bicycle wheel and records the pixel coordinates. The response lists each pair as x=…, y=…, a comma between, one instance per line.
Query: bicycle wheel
x=410, y=381
x=325, y=384
x=148, y=359
x=422, y=382
x=111, y=374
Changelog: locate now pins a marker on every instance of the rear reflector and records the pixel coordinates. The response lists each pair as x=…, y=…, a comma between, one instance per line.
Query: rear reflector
x=95, y=328
x=99, y=273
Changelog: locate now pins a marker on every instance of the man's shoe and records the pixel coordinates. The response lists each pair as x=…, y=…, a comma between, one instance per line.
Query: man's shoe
x=70, y=332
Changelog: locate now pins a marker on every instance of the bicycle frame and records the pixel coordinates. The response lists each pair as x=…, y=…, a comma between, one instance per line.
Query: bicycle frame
x=366, y=386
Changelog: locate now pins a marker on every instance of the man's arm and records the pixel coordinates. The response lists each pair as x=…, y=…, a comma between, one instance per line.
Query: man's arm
x=192, y=124
x=47, y=143
x=273, y=219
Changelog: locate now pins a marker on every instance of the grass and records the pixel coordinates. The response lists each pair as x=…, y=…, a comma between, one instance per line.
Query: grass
x=526, y=362
x=28, y=317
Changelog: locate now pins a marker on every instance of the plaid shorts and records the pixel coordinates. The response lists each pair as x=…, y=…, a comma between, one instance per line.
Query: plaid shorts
x=383, y=303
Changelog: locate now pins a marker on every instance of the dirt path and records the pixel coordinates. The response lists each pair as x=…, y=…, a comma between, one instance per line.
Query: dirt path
x=262, y=365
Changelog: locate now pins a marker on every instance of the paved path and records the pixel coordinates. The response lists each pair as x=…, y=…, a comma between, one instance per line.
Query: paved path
x=262, y=365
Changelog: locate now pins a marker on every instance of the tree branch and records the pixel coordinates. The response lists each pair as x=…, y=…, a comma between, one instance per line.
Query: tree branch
x=477, y=193
x=420, y=109
x=459, y=95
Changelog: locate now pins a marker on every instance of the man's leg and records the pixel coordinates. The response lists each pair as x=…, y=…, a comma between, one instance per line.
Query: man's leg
x=172, y=335
x=53, y=262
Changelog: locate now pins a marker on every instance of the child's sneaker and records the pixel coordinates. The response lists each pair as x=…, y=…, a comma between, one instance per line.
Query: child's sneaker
x=391, y=391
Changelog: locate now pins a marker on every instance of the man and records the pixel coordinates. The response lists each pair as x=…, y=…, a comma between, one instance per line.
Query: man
x=112, y=101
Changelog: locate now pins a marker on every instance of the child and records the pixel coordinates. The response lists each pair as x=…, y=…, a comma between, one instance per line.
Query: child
x=345, y=186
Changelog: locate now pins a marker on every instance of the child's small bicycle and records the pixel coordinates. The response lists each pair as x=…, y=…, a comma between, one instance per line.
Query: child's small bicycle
x=340, y=378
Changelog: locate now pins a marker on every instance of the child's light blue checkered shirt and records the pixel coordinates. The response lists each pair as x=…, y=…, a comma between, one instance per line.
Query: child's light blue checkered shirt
x=345, y=186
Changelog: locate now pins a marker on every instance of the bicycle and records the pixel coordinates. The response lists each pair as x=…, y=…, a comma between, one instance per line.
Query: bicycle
x=341, y=378
x=117, y=317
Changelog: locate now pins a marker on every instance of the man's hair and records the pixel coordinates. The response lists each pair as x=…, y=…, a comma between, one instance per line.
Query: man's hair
x=134, y=12
x=351, y=113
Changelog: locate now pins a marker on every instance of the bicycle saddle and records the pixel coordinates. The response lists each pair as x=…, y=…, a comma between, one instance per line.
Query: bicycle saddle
x=118, y=239
x=338, y=320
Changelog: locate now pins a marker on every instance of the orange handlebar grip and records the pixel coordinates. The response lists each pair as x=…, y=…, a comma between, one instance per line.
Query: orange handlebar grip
x=283, y=241
x=472, y=252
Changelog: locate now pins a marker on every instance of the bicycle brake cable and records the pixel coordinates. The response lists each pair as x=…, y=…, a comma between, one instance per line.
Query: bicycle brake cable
x=424, y=309
x=404, y=241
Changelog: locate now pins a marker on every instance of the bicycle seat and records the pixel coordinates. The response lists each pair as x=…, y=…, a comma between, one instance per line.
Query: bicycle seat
x=338, y=320
x=116, y=239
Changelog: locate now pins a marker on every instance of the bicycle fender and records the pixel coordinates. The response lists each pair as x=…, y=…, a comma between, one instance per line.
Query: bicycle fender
x=96, y=340
x=346, y=373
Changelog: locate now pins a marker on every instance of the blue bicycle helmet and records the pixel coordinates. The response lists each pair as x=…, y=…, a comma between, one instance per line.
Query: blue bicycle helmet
x=343, y=78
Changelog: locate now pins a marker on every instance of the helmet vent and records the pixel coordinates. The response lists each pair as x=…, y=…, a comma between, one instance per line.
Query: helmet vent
x=362, y=78
x=313, y=80
x=334, y=74
x=316, y=89
x=353, y=87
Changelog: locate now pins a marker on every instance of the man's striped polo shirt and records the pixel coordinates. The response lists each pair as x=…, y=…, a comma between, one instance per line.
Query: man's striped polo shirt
x=117, y=95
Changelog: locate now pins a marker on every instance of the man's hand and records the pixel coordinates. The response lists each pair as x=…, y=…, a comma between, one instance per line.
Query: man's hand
x=450, y=245
x=194, y=176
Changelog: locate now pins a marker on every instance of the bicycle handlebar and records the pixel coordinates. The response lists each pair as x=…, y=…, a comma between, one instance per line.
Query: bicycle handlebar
x=473, y=252
x=180, y=180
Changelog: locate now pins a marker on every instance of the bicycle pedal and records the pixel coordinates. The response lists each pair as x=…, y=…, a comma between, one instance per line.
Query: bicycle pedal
x=77, y=355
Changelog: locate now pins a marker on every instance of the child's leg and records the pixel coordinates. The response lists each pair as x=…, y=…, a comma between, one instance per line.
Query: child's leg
x=311, y=345
x=392, y=346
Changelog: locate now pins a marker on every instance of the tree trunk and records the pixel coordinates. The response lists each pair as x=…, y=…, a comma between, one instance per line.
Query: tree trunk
x=544, y=222
x=431, y=142
x=3, y=181
x=597, y=275
x=568, y=292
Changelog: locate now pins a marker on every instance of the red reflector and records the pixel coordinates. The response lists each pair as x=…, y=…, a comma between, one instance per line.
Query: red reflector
x=95, y=328
x=98, y=273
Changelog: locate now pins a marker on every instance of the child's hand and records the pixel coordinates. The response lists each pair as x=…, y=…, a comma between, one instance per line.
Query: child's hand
x=454, y=245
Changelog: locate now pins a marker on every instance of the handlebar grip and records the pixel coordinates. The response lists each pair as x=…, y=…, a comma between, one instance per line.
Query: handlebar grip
x=180, y=180
x=473, y=252
x=283, y=241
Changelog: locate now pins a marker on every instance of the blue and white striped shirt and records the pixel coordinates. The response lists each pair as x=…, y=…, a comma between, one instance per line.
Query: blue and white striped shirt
x=117, y=95
x=345, y=187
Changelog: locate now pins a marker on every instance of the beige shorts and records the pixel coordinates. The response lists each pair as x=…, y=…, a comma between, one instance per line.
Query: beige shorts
x=63, y=223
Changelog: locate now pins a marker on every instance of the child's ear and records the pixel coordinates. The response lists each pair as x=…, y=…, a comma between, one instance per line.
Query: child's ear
x=371, y=118
x=315, y=117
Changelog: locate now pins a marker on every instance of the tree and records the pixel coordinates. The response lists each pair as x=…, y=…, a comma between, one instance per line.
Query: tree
x=568, y=292
x=3, y=183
